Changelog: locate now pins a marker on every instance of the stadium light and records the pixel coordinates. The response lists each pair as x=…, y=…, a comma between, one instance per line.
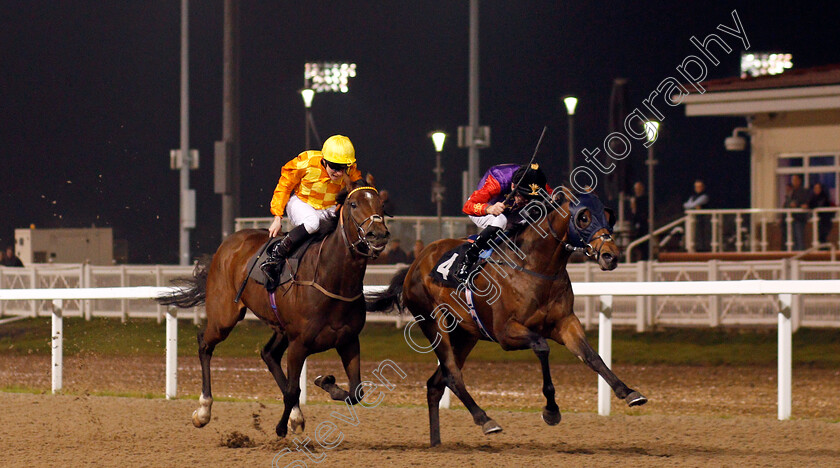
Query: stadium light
x=764, y=63
x=324, y=77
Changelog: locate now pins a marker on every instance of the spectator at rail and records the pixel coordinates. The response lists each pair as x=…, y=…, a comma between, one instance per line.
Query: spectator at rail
x=415, y=252
x=10, y=259
x=819, y=199
x=394, y=254
x=639, y=214
x=799, y=198
x=699, y=201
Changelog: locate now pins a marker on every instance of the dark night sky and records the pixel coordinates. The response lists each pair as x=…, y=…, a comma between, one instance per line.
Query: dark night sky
x=90, y=98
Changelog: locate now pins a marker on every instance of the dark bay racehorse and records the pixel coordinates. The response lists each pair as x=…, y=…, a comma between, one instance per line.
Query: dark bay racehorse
x=322, y=309
x=520, y=300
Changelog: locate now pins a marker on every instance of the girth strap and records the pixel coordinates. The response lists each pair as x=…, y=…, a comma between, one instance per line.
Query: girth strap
x=327, y=293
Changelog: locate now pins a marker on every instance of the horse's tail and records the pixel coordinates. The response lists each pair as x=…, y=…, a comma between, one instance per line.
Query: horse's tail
x=384, y=300
x=193, y=290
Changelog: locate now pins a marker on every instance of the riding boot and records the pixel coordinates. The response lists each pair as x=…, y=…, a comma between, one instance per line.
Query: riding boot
x=482, y=242
x=278, y=253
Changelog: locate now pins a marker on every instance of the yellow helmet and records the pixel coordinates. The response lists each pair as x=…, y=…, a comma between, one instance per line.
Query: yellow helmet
x=338, y=149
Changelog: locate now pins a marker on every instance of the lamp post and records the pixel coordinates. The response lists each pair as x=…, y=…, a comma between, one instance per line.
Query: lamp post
x=438, y=138
x=307, y=94
x=652, y=133
x=571, y=103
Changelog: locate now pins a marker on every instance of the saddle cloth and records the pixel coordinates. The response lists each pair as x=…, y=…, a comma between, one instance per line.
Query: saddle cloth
x=450, y=262
x=290, y=266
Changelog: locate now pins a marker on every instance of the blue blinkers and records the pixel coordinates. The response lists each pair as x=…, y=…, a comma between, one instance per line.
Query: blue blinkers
x=598, y=219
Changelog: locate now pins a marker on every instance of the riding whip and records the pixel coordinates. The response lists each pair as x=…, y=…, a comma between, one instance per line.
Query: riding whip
x=245, y=281
x=536, y=150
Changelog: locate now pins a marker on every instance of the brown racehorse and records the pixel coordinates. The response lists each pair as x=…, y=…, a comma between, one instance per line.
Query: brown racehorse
x=323, y=308
x=525, y=299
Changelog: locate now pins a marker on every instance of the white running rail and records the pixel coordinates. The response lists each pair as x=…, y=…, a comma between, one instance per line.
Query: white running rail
x=784, y=289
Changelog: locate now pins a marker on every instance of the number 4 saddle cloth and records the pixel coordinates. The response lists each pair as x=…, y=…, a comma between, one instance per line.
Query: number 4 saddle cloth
x=450, y=262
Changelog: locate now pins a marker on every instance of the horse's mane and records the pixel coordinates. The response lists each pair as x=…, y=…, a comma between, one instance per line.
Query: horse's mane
x=329, y=225
x=349, y=187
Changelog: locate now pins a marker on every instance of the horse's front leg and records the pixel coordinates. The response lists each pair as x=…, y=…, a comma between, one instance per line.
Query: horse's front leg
x=517, y=336
x=291, y=394
x=272, y=354
x=551, y=412
x=350, y=358
x=570, y=333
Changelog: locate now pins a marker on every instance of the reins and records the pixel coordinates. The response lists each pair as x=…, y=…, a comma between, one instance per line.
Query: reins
x=352, y=246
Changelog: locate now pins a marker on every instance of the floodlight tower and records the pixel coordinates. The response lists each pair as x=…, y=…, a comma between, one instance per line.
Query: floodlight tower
x=324, y=77
x=652, y=133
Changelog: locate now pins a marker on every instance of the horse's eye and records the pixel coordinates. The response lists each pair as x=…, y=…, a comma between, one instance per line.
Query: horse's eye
x=583, y=220
x=353, y=205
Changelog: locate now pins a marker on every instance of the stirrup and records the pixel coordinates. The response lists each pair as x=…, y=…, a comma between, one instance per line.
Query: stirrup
x=464, y=271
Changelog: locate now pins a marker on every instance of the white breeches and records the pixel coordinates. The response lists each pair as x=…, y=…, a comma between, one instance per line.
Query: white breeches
x=300, y=212
x=490, y=220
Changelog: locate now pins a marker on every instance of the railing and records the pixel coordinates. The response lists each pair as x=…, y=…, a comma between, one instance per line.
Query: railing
x=752, y=228
x=782, y=289
x=642, y=313
x=56, y=298
x=628, y=253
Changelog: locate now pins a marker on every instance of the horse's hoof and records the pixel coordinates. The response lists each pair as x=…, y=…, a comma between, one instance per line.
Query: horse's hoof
x=490, y=427
x=296, y=420
x=281, y=431
x=201, y=416
x=322, y=380
x=196, y=420
x=635, y=399
x=552, y=418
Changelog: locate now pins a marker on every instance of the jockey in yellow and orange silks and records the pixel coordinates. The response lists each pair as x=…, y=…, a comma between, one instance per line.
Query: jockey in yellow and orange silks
x=306, y=193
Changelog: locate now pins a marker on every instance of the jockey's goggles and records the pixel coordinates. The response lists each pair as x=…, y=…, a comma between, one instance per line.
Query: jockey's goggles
x=336, y=166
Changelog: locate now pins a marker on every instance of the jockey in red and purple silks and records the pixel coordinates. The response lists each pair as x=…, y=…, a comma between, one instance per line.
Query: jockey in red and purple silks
x=486, y=208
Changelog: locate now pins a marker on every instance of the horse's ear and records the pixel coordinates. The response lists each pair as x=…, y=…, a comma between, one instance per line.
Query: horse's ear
x=559, y=196
x=610, y=214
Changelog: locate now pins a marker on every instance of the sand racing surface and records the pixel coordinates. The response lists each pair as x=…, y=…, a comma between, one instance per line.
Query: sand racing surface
x=697, y=416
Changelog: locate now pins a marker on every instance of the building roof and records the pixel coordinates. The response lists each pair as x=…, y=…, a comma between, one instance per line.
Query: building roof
x=806, y=89
x=814, y=76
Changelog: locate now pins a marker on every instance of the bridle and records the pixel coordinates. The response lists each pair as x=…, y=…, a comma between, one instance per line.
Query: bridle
x=588, y=250
x=361, y=228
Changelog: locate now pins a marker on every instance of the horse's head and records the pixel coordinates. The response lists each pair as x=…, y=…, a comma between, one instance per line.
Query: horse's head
x=361, y=219
x=588, y=226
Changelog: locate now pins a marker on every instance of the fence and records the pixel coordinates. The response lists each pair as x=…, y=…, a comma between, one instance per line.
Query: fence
x=783, y=289
x=642, y=313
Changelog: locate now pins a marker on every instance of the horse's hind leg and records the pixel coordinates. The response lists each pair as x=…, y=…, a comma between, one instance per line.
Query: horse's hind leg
x=570, y=333
x=215, y=331
x=272, y=354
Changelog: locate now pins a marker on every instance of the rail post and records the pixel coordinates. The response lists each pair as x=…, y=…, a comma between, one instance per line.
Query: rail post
x=641, y=301
x=171, y=353
x=57, y=344
x=605, y=350
x=785, y=358
x=302, y=399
